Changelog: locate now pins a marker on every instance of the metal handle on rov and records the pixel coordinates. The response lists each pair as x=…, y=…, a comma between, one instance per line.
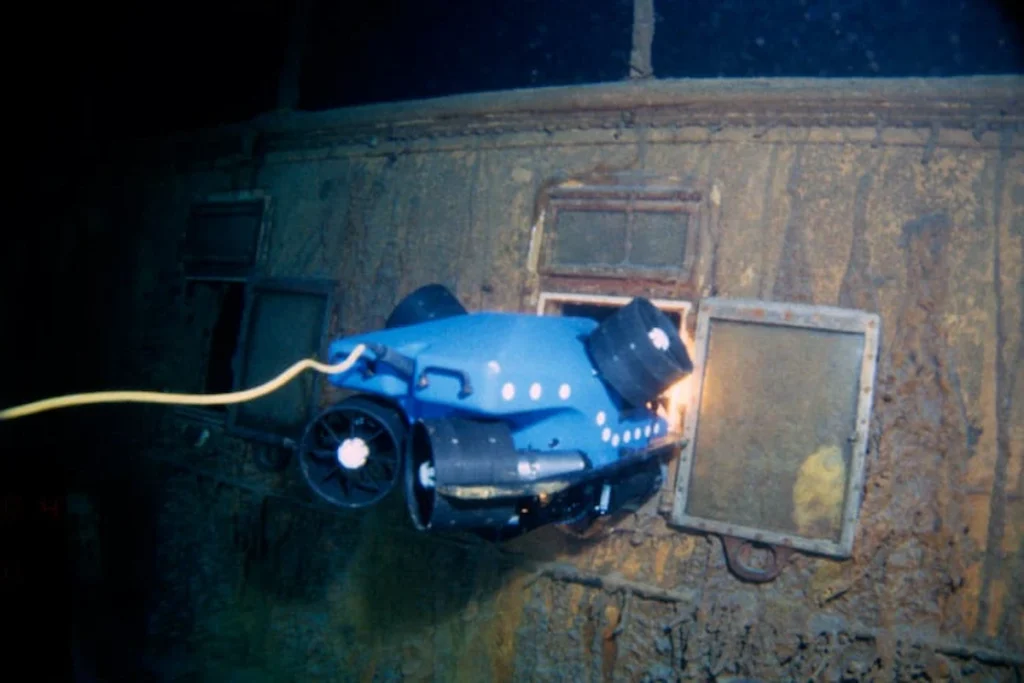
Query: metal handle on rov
x=465, y=389
x=405, y=368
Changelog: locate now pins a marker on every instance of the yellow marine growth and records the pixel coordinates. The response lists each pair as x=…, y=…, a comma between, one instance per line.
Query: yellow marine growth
x=818, y=493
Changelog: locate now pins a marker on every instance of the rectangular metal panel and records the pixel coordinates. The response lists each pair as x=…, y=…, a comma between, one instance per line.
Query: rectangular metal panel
x=777, y=423
x=222, y=239
x=285, y=321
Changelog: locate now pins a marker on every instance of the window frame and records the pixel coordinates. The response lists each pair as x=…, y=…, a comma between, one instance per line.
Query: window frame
x=220, y=272
x=805, y=316
x=243, y=276
x=629, y=199
x=325, y=288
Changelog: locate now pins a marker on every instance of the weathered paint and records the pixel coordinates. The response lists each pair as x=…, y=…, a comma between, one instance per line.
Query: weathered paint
x=905, y=198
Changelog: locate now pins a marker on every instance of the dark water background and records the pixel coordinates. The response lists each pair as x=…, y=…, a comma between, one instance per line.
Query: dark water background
x=153, y=68
x=440, y=48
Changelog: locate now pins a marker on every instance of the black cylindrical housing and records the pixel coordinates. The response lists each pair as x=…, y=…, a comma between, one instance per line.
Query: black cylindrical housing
x=477, y=474
x=638, y=353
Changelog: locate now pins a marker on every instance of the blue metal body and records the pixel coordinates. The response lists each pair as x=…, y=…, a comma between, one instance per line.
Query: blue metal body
x=532, y=372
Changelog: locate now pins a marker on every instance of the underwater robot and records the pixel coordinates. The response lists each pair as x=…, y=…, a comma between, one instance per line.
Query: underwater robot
x=498, y=423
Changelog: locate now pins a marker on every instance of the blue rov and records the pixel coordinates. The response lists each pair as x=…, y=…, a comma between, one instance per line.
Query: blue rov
x=498, y=423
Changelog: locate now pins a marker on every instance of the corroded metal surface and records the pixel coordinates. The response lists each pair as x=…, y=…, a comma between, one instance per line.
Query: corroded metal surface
x=909, y=203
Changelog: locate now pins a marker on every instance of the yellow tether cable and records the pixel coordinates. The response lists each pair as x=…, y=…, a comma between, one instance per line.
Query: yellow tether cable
x=288, y=375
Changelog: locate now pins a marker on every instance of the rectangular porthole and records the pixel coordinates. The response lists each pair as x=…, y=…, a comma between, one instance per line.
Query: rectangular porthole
x=220, y=252
x=780, y=406
x=224, y=235
x=629, y=226
x=285, y=321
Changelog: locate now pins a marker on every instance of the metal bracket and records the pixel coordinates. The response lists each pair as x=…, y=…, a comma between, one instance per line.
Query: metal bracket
x=737, y=554
x=403, y=365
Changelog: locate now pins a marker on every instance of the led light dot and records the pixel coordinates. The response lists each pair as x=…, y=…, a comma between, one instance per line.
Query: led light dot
x=353, y=453
x=659, y=339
